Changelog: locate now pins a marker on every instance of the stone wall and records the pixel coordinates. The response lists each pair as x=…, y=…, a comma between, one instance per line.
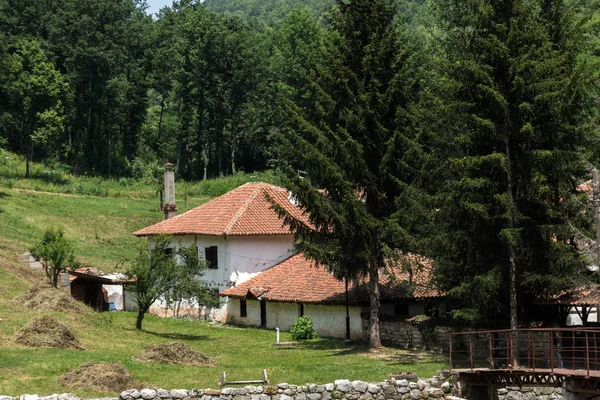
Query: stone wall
x=531, y=393
x=408, y=335
x=439, y=387
x=391, y=389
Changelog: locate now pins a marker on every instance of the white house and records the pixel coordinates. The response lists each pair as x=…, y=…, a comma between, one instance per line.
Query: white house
x=297, y=287
x=262, y=282
x=239, y=234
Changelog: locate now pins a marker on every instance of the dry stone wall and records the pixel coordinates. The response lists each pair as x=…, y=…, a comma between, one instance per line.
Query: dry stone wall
x=406, y=334
x=339, y=390
x=439, y=387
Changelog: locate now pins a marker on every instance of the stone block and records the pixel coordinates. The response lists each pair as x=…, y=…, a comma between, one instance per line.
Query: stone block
x=226, y=391
x=513, y=395
x=415, y=394
x=287, y=392
x=67, y=396
x=343, y=385
x=360, y=386
x=148, y=394
x=178, y=393
x=329, y=387
x=6, y=398
x=212, y=392
x=283, y=386
x=446, y=387
x=314, y=396
x=435, y=393
x=389, y=390
x=250, y=389
x=51, y=397
x=197, y=393
x=373, y=388
x=352, y=396
x=402, y=382
x=403, y=390
x=413, y=385
x=300, y=396
x=285, y=397
x=502, y=391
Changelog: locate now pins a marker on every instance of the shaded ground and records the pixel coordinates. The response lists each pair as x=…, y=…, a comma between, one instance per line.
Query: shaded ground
x=402, y=356
x=175, y=353
x=45, y=331
x=109, y=377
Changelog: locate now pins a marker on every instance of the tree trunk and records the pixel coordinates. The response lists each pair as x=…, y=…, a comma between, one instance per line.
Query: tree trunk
x=55, y=278
x=29, y=157
x=160, y=121
x=139, y=319
x=374, y=336
x=512, y=271
x=514, y=318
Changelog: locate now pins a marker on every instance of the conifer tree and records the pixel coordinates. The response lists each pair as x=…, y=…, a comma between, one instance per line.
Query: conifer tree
x=353, y=146
x=520, y=112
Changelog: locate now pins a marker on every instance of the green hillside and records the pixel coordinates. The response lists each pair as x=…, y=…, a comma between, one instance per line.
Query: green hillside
x=100, y=228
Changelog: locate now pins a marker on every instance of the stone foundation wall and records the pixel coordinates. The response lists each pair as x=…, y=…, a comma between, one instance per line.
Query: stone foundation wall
x=440, y=387
x=406, y=334
x=531, y=393
x=340, y=390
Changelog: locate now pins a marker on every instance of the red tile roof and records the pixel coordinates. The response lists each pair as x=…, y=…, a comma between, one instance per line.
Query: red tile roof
x=245, y=210
x=299, y=280
x=587, y=295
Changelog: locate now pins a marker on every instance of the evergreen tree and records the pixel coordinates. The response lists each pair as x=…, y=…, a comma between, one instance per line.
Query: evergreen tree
x=353, y=146
x=519, y=111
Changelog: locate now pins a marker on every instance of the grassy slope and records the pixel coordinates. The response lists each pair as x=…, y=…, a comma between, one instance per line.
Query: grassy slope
x=100, y=228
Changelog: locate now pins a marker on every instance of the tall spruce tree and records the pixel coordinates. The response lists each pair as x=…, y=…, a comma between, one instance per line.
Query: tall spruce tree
x=519, y=119
x=353, y=146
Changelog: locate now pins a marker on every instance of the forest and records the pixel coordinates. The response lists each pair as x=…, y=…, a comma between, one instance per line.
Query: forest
x=457, y=129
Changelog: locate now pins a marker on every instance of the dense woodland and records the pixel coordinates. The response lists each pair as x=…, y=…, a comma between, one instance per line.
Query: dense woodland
x=456, y=129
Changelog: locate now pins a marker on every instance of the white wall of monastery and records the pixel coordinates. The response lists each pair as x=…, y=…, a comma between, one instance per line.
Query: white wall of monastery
x=239, y=257
x=328, y=320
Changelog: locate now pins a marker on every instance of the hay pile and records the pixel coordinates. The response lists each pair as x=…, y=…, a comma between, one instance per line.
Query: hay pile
x=48, y=298
x=45, y=331
x=107, y=377
x=175, y=353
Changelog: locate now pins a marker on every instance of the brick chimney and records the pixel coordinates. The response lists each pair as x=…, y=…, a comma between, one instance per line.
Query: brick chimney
x=169, y=208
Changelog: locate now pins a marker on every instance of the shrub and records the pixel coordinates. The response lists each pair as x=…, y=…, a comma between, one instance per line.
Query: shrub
x=303, y=329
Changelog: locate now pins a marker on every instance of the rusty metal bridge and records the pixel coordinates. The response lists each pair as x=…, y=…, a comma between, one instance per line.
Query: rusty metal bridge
x=529, y=357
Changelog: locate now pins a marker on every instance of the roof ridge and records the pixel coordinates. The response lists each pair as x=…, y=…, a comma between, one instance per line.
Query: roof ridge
x=242, y=209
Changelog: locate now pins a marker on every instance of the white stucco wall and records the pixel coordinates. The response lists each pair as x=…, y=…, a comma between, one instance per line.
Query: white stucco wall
x=239, y=257
x=249, y=255
x=573, y=319
x=328, y=320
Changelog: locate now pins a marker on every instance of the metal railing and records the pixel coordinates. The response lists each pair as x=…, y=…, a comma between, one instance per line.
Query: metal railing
x=550, y=350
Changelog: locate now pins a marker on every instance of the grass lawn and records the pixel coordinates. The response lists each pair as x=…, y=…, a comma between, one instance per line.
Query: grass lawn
x=241, y=352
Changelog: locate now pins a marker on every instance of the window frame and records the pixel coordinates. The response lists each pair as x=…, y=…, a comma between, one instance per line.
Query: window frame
x=211, y=256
